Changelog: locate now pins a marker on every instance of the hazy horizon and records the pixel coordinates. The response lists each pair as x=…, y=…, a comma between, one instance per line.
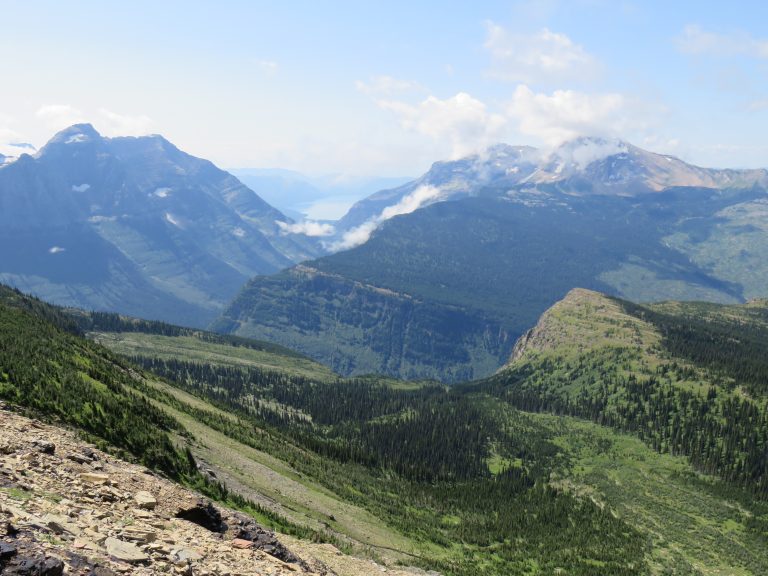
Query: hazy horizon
x=385, y=89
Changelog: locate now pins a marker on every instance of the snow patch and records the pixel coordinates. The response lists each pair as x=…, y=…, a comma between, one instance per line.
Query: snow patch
x=307, y=228
x=81, y=187
x=76, y=139
x=56, y=250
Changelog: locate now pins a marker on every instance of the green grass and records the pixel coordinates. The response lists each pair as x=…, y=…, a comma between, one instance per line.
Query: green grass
x=18, y=494
x=193, y=348
x=690, y=525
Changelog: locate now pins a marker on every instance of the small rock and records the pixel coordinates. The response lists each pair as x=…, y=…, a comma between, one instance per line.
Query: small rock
x=185, y=556
x=10, y=529
x=93, y=478
x=241, y=544
x=45, y=446
x=7, y=551
x=145, y=500
x=35, y=566
x=79, y=458
x=6, y=447
x=138, y=535
x=124, y=551
x=221, y=570
x=60, y=524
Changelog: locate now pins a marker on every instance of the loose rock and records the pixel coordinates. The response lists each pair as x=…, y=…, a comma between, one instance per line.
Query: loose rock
x=125, y=551
x=145, y=500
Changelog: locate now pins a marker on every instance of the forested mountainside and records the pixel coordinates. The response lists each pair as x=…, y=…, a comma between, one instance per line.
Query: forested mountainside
x=135, y=225
x=444, y=292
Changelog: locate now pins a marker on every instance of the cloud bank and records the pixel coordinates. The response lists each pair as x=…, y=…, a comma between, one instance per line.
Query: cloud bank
x=566, y=114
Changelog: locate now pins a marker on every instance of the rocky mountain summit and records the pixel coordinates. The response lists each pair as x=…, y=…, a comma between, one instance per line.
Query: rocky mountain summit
x=69, y=508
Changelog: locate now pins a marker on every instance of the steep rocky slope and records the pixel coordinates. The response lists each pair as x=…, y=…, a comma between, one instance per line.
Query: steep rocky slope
x=68, y=508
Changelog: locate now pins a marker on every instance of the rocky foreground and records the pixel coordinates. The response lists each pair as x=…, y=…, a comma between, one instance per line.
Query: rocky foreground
x=68, y=508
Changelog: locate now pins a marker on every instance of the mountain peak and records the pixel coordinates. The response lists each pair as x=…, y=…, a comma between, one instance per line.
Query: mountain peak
x=75, y=134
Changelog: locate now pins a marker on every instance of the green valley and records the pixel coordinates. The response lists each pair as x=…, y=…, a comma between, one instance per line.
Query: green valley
x=592, y=452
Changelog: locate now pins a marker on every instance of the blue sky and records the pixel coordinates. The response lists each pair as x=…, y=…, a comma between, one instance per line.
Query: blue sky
x=385, y=88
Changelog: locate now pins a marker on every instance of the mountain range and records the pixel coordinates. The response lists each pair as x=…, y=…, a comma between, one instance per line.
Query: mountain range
x=438, y=277
x=435, y=278
x=135, y=225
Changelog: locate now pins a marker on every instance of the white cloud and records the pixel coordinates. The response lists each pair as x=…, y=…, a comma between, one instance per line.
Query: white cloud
x=462, y=121
x=268, y=66
x=355, y=236
x=407, y=204
x=566, y=114
x=544, y=56
x=411, y=202
x=56, y=250
x=582, y=153
x=80, y=187
x=697, y=41
x=307, y=228
x=380, y=86
x=59, y=116
x=758, y=105
x=114, y=124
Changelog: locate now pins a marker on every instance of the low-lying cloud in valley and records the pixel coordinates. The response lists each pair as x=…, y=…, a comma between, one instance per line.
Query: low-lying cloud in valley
x=307, y=228
x=407, y=204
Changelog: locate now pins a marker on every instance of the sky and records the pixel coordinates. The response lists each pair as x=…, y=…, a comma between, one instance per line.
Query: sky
x=384, y=88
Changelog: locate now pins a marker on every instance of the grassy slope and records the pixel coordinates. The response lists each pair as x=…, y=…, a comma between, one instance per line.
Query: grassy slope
x=191, y=347
x=693, y=528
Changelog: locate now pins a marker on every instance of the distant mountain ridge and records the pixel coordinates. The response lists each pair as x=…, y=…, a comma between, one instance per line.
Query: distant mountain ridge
x=137, y=226
x=585, y=165
x=478, y=248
